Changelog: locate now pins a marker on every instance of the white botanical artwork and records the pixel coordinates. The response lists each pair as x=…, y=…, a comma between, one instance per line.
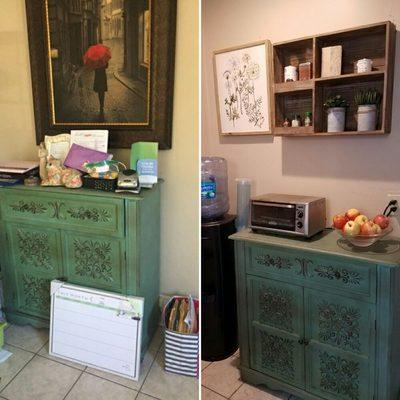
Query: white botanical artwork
x=243, y=90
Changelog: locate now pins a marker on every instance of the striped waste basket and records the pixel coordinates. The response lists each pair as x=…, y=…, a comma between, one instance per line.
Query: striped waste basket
x=181, y=349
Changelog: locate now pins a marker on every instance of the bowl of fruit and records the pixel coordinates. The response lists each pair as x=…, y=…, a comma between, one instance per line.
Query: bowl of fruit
x=360, y=230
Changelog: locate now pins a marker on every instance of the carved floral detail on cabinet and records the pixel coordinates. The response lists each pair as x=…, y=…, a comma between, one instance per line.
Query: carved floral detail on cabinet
x=277, y=355
x=277, y=262
x=93, y=259
x=31, y=207
x=339, y=375
x=57, y=205
x=34, y=249
x=36, y=292
x=339, y=325
x=91, y=214
x=340, y=274
x=276, y=306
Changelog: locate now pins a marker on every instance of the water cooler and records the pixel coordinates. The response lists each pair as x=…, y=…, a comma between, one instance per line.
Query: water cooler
x=218, y=286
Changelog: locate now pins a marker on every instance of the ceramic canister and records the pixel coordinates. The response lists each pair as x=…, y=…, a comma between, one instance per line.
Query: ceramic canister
x=364, y=65
x=290, y=73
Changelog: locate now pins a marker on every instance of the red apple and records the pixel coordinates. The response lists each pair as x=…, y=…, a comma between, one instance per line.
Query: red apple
x=361, y=219
x=339, y=221
x=351, y=228
x=368, y=228
x=382, y=221
x=352, y=213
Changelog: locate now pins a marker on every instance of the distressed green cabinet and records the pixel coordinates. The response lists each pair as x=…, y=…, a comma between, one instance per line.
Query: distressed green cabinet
x=102, y=240
x=318, y=321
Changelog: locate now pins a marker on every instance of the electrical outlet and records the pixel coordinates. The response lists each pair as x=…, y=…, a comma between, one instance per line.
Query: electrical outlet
x=394, y=196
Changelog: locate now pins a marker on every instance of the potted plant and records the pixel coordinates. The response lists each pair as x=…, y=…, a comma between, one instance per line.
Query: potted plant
x=336, y=109
x=367, y=112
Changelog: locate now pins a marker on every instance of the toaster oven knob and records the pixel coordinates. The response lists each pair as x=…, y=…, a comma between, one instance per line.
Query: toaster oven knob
x=300, y=214
x=299, y=225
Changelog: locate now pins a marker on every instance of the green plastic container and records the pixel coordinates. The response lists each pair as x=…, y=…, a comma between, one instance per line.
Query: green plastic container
x=2, y=327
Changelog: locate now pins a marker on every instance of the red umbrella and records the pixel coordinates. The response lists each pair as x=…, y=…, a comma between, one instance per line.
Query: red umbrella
x=97, y=56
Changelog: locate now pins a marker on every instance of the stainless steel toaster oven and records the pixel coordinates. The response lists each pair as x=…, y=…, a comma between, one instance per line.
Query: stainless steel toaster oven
x=288, y=214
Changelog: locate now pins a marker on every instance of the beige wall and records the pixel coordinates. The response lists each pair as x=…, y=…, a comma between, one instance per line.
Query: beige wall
x=179, y=166
x=349, y=171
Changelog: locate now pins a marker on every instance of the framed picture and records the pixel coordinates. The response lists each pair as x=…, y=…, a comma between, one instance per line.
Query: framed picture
x=58, y=146
x=103, y=64
x=242, y=77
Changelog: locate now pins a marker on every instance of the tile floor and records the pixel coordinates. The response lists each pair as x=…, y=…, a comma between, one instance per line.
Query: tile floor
x=221, y=380
x=32, y=374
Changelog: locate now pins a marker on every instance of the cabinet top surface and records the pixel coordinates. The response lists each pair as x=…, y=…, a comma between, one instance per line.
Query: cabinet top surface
x=325, y=243
x=79, y=192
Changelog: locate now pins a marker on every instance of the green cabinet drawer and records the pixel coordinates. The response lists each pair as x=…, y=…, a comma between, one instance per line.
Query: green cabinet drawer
x=91, y=261
x=338, y=375
x=353, y=276
x=68, y=211
x=35, y=248
x=264, y=261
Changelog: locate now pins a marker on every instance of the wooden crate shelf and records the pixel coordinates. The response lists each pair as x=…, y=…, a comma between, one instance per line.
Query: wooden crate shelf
x=375, y=41
x=286, y=87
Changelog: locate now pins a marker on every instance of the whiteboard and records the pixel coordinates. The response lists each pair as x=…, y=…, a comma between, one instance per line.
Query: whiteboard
x=99, y=329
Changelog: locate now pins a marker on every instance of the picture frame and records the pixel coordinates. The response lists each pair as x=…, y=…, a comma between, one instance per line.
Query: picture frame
x=242, y=81
x=58, y=146
x=158, y=59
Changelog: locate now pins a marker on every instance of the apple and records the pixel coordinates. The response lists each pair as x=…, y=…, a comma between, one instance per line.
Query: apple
x=378, y=229
x=368, y=229
x=352, y=213
x=382, y=221
x=339, y=221
x=351, y=228
x=361, y=219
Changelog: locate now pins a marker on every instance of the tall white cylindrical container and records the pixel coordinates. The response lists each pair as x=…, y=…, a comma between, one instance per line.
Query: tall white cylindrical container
x=243, y=192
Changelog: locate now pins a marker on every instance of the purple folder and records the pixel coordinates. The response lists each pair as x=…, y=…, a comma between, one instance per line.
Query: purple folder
x=78, y=155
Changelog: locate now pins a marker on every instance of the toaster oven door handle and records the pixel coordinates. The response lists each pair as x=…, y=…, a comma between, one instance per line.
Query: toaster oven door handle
x=258, y=203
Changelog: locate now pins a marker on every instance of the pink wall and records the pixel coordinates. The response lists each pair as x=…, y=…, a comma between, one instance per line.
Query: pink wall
x=349, y=172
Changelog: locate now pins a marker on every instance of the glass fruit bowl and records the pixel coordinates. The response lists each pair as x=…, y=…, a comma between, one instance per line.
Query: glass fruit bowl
x=364, y=240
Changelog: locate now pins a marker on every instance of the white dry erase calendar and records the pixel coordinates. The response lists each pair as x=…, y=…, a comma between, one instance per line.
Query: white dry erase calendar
x=99, y=329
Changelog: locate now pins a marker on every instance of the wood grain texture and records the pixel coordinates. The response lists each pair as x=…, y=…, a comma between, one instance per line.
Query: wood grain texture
x=374, y=41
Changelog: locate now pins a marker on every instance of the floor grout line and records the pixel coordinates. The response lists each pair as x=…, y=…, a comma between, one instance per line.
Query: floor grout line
x=151, y=366
x=69, y=391
x=60, y=362
x=236, y=390
x=211, y=390
x=4, y=388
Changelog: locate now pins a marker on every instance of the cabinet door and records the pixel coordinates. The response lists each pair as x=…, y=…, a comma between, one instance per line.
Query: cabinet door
x=276, y=324
x=95, y=261
x=340, y=336
x=35, y=257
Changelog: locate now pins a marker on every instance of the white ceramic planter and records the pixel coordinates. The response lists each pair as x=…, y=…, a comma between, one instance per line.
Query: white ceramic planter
x=336, y=119
x=366, y=118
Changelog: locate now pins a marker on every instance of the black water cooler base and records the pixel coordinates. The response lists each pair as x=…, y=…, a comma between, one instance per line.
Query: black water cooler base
x=218, y=290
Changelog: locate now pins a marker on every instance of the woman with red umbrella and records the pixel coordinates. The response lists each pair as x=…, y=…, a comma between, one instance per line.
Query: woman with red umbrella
x=97, y=58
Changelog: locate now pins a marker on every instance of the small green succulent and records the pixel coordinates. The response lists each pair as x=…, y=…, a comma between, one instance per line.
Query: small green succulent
x=336, y=101
x=367, y=97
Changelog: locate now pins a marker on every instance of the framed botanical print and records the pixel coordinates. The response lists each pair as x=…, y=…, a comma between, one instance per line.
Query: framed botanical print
x=103, y=64
x=242, y=78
